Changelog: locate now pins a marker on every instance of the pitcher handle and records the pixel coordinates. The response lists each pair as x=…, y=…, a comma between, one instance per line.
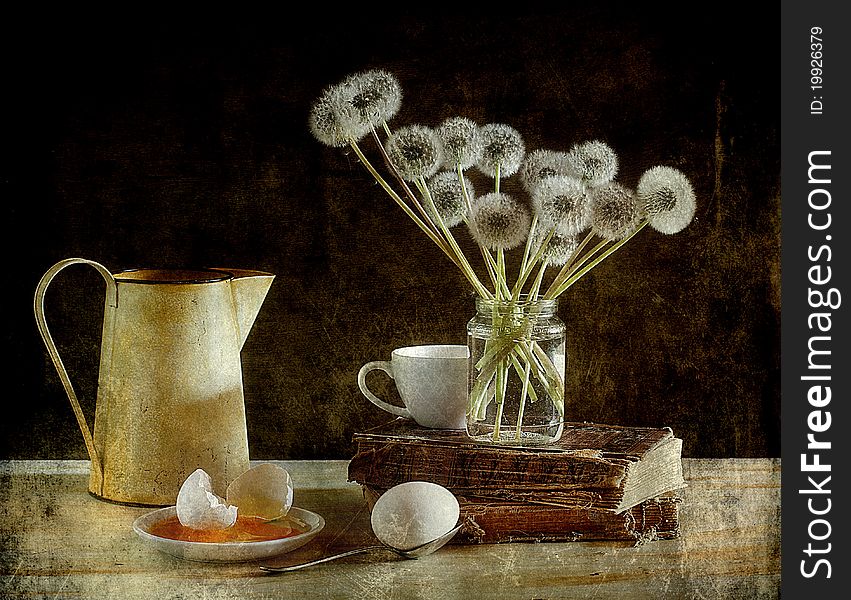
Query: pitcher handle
x=38, y=309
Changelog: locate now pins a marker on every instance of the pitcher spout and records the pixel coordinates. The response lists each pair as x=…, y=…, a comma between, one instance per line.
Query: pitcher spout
x=249, y=291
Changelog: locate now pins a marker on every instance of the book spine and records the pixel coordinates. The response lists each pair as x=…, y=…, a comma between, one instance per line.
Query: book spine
x=503, y=522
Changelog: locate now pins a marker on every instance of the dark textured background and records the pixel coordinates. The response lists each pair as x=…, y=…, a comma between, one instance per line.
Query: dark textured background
x=155, y=144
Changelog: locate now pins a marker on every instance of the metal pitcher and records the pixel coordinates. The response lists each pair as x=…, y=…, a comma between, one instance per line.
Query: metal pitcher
x=169, y=397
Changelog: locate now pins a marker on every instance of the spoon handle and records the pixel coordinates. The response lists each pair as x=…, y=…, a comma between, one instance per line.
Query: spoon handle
x=320, y=560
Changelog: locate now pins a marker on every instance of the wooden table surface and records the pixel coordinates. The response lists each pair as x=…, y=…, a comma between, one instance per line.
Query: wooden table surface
x=60, y=542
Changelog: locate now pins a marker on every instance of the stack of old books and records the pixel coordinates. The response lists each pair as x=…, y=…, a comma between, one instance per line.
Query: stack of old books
x=599, y=482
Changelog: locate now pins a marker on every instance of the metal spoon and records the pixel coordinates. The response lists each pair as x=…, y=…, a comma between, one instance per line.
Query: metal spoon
x=416, y=552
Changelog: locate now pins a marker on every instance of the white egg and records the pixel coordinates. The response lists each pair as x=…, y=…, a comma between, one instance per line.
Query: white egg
x=264, y=491
x=199, y=508
x=414, y=513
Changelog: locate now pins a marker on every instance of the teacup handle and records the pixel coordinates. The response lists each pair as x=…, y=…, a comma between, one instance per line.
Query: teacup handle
x=387, y=367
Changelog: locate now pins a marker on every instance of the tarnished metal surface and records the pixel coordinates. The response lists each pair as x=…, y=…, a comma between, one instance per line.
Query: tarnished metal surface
x=170, y=396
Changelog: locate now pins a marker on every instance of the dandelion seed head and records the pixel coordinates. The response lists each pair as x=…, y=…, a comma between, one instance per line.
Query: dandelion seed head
x=614, y=211
x=415, y=151
x=349, y=110
x=667, y=196
x=558, y=250
x=332, y=121
x=594, y=162
x=503, y=147
x=376, y=95
x=448, y=196
x=562, y=201
x=461, y=144
x=540, y=164
x=499, y=221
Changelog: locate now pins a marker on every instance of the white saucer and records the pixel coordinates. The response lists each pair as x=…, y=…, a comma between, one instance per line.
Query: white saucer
x=227, y=551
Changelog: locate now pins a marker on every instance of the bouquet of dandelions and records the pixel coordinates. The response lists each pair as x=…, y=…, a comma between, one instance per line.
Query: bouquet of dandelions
x=577, y=216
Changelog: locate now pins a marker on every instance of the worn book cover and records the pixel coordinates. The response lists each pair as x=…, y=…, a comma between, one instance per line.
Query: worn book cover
x=487, y=521
x=613, y=467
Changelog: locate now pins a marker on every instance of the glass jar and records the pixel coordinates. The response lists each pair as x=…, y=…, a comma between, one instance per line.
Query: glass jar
x=516, y=374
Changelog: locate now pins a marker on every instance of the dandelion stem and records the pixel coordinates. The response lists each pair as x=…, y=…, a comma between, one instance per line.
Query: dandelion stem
x=413, y=198
x=527, y=270
x=499, y=281
x=575, y=264
x=500, y=398
x=521, y=370
x=468, y=204
x=392, y=193
x=524, y=263
x=465, y=264
x=562, y=274
x=573, y=278
x=486, y=255
x=520, y=411
x=419, y=222
x=489, y=265
x=440, y=228
x=536, y=285
x=500, y=270
x=501, y=370
x=528, y=248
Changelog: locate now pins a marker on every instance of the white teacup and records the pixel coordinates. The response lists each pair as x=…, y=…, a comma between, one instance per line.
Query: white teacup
x=432, y=383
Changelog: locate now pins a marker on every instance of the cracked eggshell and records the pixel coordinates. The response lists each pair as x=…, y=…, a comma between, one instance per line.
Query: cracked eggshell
x=199, y=508
x=414, y=513
x=264, y=491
